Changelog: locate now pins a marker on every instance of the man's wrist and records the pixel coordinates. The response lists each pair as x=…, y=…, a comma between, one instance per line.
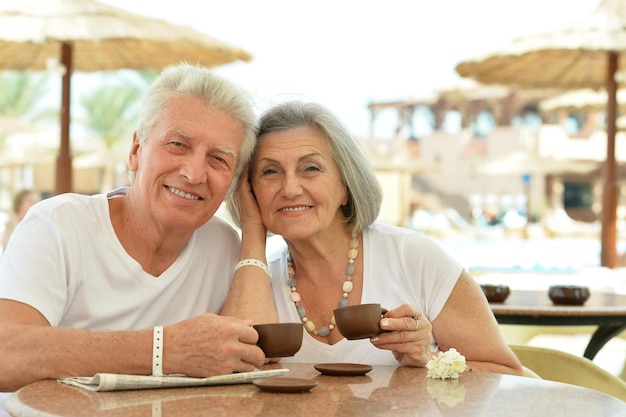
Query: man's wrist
x=157, y=351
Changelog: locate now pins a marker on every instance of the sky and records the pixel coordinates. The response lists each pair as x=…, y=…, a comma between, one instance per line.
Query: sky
x=345, y=54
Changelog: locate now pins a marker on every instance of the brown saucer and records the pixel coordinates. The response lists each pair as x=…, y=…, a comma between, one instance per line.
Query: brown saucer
x=279, y=384
x=342, y=369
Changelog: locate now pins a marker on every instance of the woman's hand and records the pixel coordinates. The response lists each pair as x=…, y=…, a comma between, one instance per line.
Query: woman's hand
x=408, y=336
x=250, y=295
x=249, y=212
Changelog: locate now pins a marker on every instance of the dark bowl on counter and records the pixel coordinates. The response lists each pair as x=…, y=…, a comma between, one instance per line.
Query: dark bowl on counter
x=495, y=293
x=568, y=294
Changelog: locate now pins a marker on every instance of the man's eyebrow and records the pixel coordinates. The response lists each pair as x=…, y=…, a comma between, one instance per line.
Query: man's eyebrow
x=186, y=135
x=227, y=151
x=182, y=134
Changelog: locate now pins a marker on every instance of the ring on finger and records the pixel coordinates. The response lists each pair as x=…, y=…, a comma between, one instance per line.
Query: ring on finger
x=417, y=323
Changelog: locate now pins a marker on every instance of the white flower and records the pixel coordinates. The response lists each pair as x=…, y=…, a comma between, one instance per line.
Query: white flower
x=446, y=365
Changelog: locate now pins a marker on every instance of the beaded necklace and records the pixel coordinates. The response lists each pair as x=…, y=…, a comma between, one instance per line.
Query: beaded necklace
x=323, y=331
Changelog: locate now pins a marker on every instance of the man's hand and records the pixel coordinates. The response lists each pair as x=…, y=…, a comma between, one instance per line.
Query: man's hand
x=211, y=345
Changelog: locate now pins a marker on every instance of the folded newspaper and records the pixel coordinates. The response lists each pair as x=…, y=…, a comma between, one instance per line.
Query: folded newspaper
x=120, y=382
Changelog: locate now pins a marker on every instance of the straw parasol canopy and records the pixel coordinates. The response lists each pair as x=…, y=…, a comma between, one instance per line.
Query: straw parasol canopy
x=527, y=164
x=523, y=162
x=85, y=35
x=9, y=125
x=11, y=158
x=571, y=57
x=583, y=99
x=584, y=54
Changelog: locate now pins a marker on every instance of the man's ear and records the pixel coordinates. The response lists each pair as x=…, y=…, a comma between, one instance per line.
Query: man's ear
x=133, y=157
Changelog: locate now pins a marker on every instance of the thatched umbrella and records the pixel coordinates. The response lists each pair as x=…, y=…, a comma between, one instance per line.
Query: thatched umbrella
x=9, y=125
x=584, y=54
x=521, y=162
x=581, y=100
x=85, y=35
x=527, y=164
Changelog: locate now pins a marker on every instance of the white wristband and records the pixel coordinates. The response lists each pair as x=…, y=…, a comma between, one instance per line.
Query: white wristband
x=157, y=351
x=254, y=262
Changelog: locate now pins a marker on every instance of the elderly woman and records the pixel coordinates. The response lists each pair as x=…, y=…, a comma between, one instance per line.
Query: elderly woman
x=316, y=188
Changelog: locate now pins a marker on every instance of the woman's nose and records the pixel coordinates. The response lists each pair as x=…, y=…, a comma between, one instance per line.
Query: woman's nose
x=292, y=186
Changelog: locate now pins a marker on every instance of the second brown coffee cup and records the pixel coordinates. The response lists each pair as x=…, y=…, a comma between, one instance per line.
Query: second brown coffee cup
x=359, y=321
x=278, y=340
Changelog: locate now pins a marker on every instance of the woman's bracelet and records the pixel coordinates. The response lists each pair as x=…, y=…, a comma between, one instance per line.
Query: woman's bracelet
x=254, y=262
x=157, y=351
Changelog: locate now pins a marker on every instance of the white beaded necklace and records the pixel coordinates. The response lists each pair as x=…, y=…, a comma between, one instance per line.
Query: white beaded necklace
x=323, y=331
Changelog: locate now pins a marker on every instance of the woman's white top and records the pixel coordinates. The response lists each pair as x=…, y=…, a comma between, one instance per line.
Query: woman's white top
x=400, y=266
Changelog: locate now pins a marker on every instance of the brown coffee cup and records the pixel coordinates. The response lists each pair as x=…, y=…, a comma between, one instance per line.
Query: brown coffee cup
x=568, y=294
x=359, y=321
x=278, y=340
x=496, y=293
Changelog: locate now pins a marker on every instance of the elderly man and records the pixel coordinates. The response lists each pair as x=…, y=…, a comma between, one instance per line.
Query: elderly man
x=130, y=281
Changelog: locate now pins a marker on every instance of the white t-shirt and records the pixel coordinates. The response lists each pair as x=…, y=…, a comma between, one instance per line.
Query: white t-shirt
x=65, y=260
x=401, y=266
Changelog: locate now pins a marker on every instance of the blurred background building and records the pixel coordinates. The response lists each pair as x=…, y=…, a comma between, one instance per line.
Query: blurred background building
x=492, y=155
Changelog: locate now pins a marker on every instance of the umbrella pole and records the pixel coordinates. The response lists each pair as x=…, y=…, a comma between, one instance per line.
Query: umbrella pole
x=608, y=255
x=526, y=178
x=64, y=159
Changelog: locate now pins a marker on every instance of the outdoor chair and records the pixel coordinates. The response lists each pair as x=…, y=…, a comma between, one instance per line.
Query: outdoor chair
x=556, y=365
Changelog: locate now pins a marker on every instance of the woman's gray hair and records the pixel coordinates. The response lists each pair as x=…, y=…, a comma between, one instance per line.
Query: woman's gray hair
x=364, y=191
x=195, y=81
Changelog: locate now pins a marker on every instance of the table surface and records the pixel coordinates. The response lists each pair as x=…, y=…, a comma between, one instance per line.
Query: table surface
x=605, y=310
x=535, y=303
x=385, y=391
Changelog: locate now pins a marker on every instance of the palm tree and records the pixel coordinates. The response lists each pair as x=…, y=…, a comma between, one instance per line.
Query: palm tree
x=111, y=112
x=20, y=98
x=21, y=93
